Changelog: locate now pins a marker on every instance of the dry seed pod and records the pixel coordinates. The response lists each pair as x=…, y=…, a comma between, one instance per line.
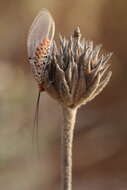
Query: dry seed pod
x=78, y=72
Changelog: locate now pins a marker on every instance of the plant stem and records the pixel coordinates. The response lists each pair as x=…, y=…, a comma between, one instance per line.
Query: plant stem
x=67, y=141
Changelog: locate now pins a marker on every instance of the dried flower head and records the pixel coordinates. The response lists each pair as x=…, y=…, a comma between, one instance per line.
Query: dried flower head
x=75, y=73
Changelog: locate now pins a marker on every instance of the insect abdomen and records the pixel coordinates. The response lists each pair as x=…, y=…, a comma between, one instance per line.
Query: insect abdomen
x=40, y=60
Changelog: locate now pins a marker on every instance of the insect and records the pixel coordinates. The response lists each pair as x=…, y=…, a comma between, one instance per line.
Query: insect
x=39, y=41
x=40, y=38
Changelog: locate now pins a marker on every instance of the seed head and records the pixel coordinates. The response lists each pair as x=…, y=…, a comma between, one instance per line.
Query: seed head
x=76, y=73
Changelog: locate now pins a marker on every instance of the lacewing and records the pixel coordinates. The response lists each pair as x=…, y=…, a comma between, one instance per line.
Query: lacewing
x=39, y=41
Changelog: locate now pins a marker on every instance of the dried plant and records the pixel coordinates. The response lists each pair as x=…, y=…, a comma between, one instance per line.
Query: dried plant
x=73, y=75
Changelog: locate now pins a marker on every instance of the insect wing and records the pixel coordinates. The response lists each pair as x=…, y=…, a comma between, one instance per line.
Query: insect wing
x=42, y=27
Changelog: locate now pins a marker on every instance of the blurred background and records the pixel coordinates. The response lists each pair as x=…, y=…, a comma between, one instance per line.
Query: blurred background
x=100, y=141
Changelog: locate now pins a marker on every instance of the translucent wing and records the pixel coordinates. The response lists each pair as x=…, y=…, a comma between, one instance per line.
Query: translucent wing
x=42, y=27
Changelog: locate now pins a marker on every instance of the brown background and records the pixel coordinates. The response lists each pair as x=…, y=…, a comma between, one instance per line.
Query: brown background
x=100, y=142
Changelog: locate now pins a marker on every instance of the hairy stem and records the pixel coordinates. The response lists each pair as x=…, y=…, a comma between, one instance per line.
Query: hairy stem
x=67, y=141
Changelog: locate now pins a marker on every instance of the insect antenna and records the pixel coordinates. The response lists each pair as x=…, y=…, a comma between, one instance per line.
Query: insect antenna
x=35, y=135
